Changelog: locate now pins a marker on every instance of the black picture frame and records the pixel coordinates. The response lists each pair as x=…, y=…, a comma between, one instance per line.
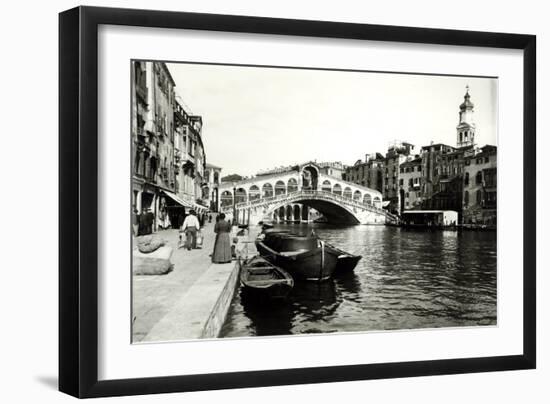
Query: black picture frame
x=78, y=196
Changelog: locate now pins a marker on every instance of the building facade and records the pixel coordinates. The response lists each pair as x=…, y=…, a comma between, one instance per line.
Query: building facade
x=368, y=173
x=480, y=187
x=397, y=154
x=160, y=147
x=442, y=167
x=190, y=154
x=410, y=184
x=333, y=168
x=439, y=178
x=153, y=139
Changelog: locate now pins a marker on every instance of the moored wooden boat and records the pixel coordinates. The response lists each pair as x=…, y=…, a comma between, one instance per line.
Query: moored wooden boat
x=316, y=263
x=283, y=240
x=289, y=241
x=261, y=278
x=346, y=261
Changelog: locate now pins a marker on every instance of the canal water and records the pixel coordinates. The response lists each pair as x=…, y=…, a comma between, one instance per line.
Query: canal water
x=407, y=279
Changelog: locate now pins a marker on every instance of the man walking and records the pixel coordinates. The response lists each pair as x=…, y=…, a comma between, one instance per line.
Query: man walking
x=190, y=227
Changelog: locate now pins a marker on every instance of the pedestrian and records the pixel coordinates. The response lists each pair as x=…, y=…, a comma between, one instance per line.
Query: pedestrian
x=143, y=222
x=190, y=226
x=149, y=220
x=135, y=222
x=201, y=219
x=222, y=245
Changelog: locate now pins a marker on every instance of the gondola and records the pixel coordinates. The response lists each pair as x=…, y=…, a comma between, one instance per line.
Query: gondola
x=346, y=261
x=302, y=256
x=316, y=263
x=262, y=279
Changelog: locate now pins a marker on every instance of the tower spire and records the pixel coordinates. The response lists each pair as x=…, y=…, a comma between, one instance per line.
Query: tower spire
x=466, y=129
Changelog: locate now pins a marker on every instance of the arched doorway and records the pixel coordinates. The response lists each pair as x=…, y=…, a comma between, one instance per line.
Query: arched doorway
x=337, y=189
x=305, y=213
x=267, y=190
x=292, y=185
x=367, y=199
x=347, y=192
x=281, y=214
x=253, y=193
x=326, y=187
x=357, y=196
x=280, y=188
x=240, y=195
x=226, y=199
x=296, y=217
x=310, y=177
x=288, y=212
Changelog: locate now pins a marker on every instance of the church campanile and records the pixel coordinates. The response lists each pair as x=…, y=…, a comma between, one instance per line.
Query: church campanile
x=466, y=129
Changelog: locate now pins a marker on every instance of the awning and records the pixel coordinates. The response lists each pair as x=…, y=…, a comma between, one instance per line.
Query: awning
x=177, y=199
x=200, y=208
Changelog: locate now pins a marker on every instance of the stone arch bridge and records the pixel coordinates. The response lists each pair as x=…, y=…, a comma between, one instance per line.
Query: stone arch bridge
x=290, y=192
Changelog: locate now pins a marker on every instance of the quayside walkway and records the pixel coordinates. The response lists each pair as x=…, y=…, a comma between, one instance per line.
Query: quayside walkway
x=189, y=302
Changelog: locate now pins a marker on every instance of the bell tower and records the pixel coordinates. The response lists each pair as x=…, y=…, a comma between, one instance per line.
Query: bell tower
x=466, y=129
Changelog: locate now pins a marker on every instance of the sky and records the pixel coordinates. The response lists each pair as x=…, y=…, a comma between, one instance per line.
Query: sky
x=256, y=118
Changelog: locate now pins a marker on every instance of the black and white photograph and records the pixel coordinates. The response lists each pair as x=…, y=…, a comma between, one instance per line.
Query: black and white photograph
x=276, y=201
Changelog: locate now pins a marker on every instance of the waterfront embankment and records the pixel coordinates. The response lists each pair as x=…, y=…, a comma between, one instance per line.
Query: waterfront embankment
x=192, y=300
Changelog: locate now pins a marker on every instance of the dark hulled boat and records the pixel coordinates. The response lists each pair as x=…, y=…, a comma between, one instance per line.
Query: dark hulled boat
x=260, y=278
x=314, y=264
x=303, y=256
x=346, y=261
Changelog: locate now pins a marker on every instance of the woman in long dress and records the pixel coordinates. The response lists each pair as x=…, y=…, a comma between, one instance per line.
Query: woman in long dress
x=222, y=245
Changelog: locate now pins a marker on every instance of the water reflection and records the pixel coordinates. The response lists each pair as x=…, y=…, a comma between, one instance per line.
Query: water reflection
x=406, y=279
x=308, y=303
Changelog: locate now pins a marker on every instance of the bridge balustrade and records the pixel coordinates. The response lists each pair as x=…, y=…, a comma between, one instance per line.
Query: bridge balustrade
x=291, y=197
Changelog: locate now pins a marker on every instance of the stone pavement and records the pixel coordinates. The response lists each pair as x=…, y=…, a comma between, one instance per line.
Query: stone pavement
x=192, y=300
x=155, y=295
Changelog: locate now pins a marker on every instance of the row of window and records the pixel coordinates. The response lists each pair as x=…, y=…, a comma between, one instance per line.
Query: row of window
x=490, y=178
x=485, y=199
x=479, y=160
x=413, y=182
x=410, y=169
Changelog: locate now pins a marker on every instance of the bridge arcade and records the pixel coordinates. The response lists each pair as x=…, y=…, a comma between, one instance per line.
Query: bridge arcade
x=294, y=189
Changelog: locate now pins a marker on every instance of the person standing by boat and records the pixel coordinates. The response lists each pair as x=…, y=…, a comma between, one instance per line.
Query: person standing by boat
x=191, y=226
x=222, y=245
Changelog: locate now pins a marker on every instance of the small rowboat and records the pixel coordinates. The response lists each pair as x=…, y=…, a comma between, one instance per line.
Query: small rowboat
x=262, y=279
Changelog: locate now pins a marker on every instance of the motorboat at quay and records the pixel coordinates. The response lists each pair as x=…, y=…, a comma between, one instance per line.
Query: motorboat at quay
x=304, y=257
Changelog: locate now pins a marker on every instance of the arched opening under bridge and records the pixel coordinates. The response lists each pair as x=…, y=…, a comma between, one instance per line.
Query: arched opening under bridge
x=333, y=212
